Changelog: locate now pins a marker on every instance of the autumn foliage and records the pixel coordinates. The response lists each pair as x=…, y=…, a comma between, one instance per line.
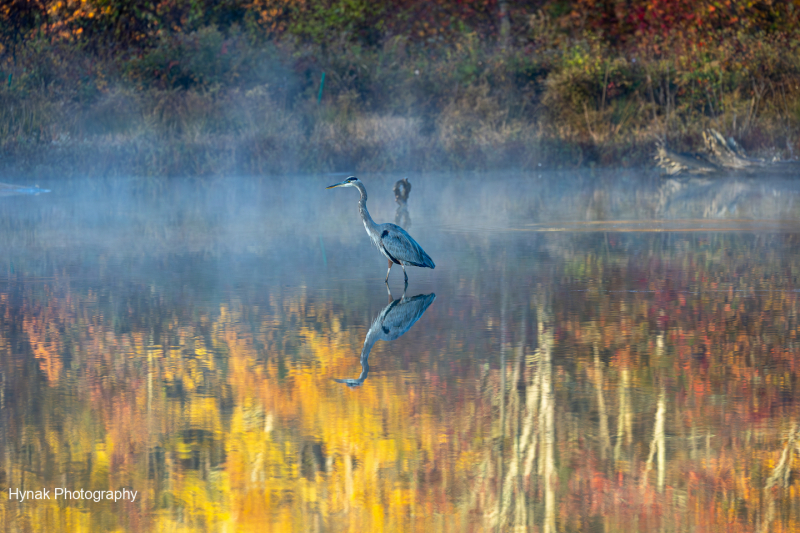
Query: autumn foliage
x=134, y=23
x=463, y=83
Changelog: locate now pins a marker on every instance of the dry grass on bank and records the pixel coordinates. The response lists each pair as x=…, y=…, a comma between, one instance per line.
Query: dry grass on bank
x=472, y=106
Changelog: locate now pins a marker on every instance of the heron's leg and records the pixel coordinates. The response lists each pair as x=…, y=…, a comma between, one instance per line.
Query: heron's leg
x=404, y=272
x=389, y=292
x=387, y=272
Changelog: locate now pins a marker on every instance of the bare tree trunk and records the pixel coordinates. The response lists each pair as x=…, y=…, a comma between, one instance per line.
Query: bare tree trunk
x=657, y=445
x=605, y=438
x=779, y=477
x=502, y=498
x=505, y=24
x=547, y=418
x=625, y=419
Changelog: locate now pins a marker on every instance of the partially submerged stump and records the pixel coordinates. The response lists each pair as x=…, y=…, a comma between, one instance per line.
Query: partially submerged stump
x=401, y=191
x=719, y=155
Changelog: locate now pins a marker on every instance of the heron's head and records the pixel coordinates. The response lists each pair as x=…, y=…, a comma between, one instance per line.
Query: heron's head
x=349, y=182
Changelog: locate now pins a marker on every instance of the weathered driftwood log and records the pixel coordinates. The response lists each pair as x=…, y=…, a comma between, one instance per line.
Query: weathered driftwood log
x=719, y=155
x=674, y=163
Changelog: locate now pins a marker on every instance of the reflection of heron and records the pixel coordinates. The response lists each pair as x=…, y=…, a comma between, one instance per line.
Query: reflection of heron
x=395, y=319
x=392, y=240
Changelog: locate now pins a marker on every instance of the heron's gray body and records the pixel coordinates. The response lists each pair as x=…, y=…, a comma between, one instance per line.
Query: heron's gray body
x=394, y=242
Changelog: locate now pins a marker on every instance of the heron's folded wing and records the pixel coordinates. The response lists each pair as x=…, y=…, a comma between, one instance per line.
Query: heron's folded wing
x=401, y=246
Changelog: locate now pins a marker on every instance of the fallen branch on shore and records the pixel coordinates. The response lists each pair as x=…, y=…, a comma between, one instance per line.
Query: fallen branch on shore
x=719, y=155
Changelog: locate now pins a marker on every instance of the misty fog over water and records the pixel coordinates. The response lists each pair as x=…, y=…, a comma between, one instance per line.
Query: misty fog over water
x=604, y=350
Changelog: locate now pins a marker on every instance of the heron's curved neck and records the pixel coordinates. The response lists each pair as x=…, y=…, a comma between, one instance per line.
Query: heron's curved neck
x=362, y=209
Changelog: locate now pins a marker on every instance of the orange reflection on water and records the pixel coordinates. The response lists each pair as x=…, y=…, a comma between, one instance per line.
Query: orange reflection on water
x=617, y=395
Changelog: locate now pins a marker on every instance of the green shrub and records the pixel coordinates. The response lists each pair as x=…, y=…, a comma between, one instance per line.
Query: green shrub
x=205, y=59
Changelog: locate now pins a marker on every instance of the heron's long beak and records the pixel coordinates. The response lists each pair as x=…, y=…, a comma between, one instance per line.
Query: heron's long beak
x=336, y=185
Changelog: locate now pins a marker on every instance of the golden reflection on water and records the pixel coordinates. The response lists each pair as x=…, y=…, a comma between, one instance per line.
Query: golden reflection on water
x=626, y=397
x=572, y=381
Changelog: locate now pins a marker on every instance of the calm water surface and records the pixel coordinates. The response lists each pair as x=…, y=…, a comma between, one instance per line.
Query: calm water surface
x=593, y=352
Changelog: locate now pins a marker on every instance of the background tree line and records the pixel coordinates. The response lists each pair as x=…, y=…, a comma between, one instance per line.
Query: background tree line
x=455, y=83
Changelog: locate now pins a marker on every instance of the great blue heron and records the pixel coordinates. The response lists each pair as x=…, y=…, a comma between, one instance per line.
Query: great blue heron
x=392, y=240
x=395, y=319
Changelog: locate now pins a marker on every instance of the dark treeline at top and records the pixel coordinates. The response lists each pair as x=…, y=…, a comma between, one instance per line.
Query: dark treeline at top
x=126, y=25
x=413, y=84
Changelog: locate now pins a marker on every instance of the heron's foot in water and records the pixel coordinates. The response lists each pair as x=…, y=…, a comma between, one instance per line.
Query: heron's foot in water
x=352, y=383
